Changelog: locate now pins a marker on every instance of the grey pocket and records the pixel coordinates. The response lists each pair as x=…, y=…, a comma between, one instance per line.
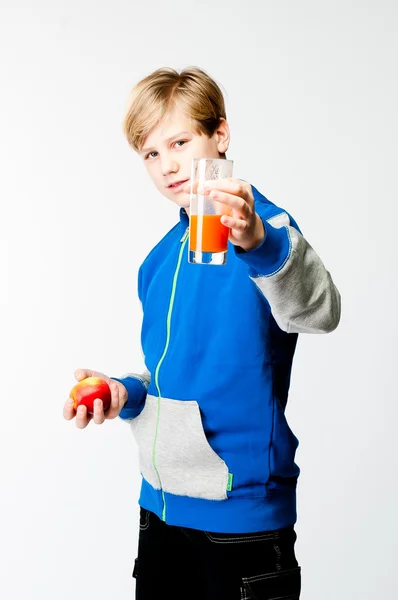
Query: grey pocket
x=174, y=452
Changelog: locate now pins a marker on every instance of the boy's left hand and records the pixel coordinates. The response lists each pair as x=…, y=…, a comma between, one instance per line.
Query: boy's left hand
x=246, y=227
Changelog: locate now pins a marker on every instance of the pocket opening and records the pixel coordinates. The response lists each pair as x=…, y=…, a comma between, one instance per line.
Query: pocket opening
x=282, y=585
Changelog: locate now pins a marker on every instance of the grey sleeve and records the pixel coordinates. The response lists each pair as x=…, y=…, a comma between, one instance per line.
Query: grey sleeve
x=144, y=377
x=301, y=293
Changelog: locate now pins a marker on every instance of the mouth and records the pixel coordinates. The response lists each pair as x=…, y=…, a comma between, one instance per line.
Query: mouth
x=177, y=185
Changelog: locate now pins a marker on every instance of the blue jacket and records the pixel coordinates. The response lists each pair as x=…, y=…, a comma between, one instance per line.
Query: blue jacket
x=216, y=452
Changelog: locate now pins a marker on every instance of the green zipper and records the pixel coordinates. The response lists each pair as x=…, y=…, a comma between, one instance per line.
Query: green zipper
x=168, y=326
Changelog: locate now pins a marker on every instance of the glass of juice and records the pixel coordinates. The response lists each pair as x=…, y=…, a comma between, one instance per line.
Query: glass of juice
x=208, y=237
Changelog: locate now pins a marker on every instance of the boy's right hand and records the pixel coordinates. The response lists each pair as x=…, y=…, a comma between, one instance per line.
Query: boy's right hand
x=118, y=400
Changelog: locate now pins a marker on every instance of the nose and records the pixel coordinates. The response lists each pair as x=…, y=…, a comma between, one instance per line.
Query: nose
x=168, y=165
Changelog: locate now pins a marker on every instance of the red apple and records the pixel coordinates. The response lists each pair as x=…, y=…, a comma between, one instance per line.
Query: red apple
x=87, y=390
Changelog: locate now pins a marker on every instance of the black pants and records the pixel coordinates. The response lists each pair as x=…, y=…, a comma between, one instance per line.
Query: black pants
x=187, y=564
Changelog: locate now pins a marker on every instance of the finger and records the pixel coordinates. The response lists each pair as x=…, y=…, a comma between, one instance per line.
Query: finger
x=98, y=416
x=197, y=187
x=232, y=186
x=114, y=394
x=236, y=224
x=234, y=202
x=82, y=374
x=122, y=396
x=114, y=408
x=82, y=418
x=69, y=411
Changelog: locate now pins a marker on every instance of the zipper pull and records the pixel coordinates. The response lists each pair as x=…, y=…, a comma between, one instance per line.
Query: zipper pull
x=184, y=237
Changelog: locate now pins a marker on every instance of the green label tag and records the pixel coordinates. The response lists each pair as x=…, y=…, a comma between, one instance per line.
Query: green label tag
x=230, y=480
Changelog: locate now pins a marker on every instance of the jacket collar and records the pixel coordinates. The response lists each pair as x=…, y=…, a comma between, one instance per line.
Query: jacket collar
x=184, y=219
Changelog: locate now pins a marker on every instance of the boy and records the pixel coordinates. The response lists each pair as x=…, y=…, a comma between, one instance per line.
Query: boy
x=218, y=495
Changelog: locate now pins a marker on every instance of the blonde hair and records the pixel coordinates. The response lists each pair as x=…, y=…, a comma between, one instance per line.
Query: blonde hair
x=192, y=91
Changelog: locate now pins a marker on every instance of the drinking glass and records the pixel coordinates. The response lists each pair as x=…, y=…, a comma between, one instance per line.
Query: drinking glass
x=208, y=237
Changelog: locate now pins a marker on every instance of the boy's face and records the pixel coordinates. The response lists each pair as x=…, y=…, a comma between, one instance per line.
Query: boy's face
x=169, y=148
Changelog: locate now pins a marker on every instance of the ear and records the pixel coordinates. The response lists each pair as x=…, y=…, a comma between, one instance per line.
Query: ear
x=222, y=136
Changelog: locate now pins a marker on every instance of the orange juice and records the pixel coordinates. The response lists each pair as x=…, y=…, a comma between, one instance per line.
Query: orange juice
x=214, y=234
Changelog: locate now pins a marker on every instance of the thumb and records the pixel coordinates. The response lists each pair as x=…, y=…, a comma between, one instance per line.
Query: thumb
x=82, y=374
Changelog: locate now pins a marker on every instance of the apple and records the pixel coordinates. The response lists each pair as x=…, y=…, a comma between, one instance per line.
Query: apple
x=87, y=390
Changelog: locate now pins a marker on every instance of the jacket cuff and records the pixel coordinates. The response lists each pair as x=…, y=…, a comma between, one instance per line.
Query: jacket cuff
x=136, y=395
x=271, y=255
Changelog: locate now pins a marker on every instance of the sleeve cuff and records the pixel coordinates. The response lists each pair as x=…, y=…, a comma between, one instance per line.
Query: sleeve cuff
x=271, y=255
x=136, y=394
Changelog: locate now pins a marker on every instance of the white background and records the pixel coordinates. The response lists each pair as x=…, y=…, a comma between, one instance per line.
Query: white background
x=311, y=96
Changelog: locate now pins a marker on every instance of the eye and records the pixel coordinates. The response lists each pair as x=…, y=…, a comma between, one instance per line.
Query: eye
x=149, y=155
x=182, y=142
